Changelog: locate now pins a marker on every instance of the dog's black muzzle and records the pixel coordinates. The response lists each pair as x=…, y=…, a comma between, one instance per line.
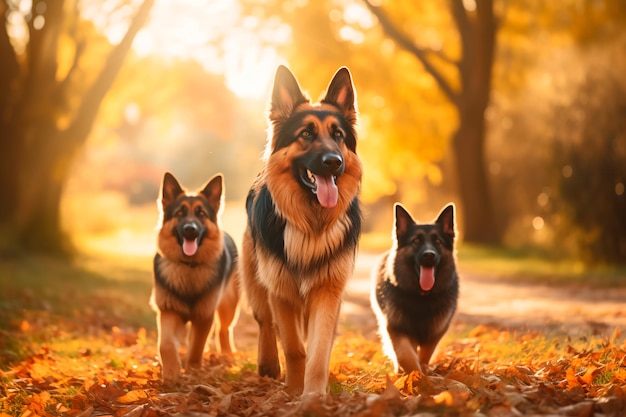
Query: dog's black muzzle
x=323, y=164
x=428, y=256
x=191, y=231
x=326, y=163
x=330, y=164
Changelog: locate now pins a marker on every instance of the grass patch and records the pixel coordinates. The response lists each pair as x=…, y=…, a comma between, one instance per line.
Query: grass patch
x=535, y=266
x=44, y=299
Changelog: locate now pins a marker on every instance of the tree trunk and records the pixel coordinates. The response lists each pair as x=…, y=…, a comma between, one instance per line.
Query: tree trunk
x=9, y=74
x=477, y=34
x=478, y=38
x=477, y=217
x=36, y=157
x=37, y=219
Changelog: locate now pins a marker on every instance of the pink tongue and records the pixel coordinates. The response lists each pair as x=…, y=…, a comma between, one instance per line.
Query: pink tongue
x=327, y=192
x=427, y=277
x=190, y=247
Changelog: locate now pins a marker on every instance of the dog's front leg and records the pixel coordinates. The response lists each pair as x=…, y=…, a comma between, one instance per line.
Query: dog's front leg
x=406, y=352
x=323, y=315
x=426, y=351
x=169, y=325
x=288, y=318
x=200, y=329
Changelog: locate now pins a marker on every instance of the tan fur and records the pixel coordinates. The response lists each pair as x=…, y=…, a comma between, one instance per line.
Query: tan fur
x=302, y=308
x=173, y=313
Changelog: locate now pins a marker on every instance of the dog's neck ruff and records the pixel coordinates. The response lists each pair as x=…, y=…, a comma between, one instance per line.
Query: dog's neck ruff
x=225, y=265
x=191, y=264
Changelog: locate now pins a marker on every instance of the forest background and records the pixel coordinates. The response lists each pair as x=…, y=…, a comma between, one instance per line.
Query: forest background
x=514, y=110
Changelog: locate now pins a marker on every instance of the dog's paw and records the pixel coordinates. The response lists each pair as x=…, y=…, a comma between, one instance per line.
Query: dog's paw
x=314, y=404
x=170, y=378
x=272, y=370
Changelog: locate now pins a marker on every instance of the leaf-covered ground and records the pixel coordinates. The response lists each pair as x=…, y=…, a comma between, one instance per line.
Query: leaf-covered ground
x=491, y=372
x=80, y=341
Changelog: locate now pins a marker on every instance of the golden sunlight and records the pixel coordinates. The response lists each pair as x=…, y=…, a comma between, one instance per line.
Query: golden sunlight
x=216, y=34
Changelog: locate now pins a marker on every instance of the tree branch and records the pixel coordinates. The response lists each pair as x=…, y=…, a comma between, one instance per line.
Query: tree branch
x=81, y=45
x=64, y=84
x=407, y=44
x=444, y=57
x=79, y=129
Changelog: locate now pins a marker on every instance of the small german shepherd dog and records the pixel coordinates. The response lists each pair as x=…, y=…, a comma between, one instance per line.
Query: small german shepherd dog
x=304, y=223
x=195, y=274
x=415, y=288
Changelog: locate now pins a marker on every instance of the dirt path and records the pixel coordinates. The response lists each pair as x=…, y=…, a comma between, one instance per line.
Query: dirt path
x=574, y=311
x=567, y=311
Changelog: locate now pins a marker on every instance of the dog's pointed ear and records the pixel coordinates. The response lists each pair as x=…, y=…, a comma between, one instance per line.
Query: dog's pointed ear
x=286, y=94
x=170, y=189
x=341, y=92
x=446, y=220
x=213, y=191
x=402, y=220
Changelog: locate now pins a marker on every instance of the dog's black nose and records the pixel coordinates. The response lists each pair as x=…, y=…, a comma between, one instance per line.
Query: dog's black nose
x=190, y=231
x=332, y=162
x=428, y=258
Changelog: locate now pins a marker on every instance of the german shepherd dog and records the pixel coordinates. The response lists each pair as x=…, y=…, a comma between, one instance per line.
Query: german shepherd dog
x=304, y=223
x=195, y=274
x=415, y=288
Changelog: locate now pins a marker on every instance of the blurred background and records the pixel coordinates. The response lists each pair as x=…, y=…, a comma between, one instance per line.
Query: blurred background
x=514, y=110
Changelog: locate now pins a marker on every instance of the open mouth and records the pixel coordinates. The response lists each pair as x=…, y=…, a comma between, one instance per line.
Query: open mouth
x=190, y=246
x=191, y=235
x=427, y=277
x=323, y=186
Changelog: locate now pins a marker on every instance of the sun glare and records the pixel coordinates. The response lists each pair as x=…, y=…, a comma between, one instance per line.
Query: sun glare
x=215, y=34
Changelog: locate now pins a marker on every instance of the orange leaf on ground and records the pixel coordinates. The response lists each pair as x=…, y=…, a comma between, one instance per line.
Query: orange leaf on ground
x=132, y=396
x=590, y=374
x=571, y=377
x=445, y=398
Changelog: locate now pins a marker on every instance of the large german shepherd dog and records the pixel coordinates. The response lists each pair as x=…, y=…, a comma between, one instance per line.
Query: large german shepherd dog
x=415, y=288
x=195, y=274
x=303, y=226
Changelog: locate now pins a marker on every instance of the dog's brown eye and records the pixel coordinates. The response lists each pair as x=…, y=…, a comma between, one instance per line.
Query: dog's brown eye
x=305, y=134
x=338, y=134
x=180, y=212
x=201, y=213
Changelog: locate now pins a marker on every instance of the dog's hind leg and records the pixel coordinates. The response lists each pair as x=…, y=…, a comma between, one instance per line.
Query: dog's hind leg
x=406, y=352
x=268, y=348
x=227, y=312
x=258, y=299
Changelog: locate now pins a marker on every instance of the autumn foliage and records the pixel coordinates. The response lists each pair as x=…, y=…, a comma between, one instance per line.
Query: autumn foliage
x=490, y=371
